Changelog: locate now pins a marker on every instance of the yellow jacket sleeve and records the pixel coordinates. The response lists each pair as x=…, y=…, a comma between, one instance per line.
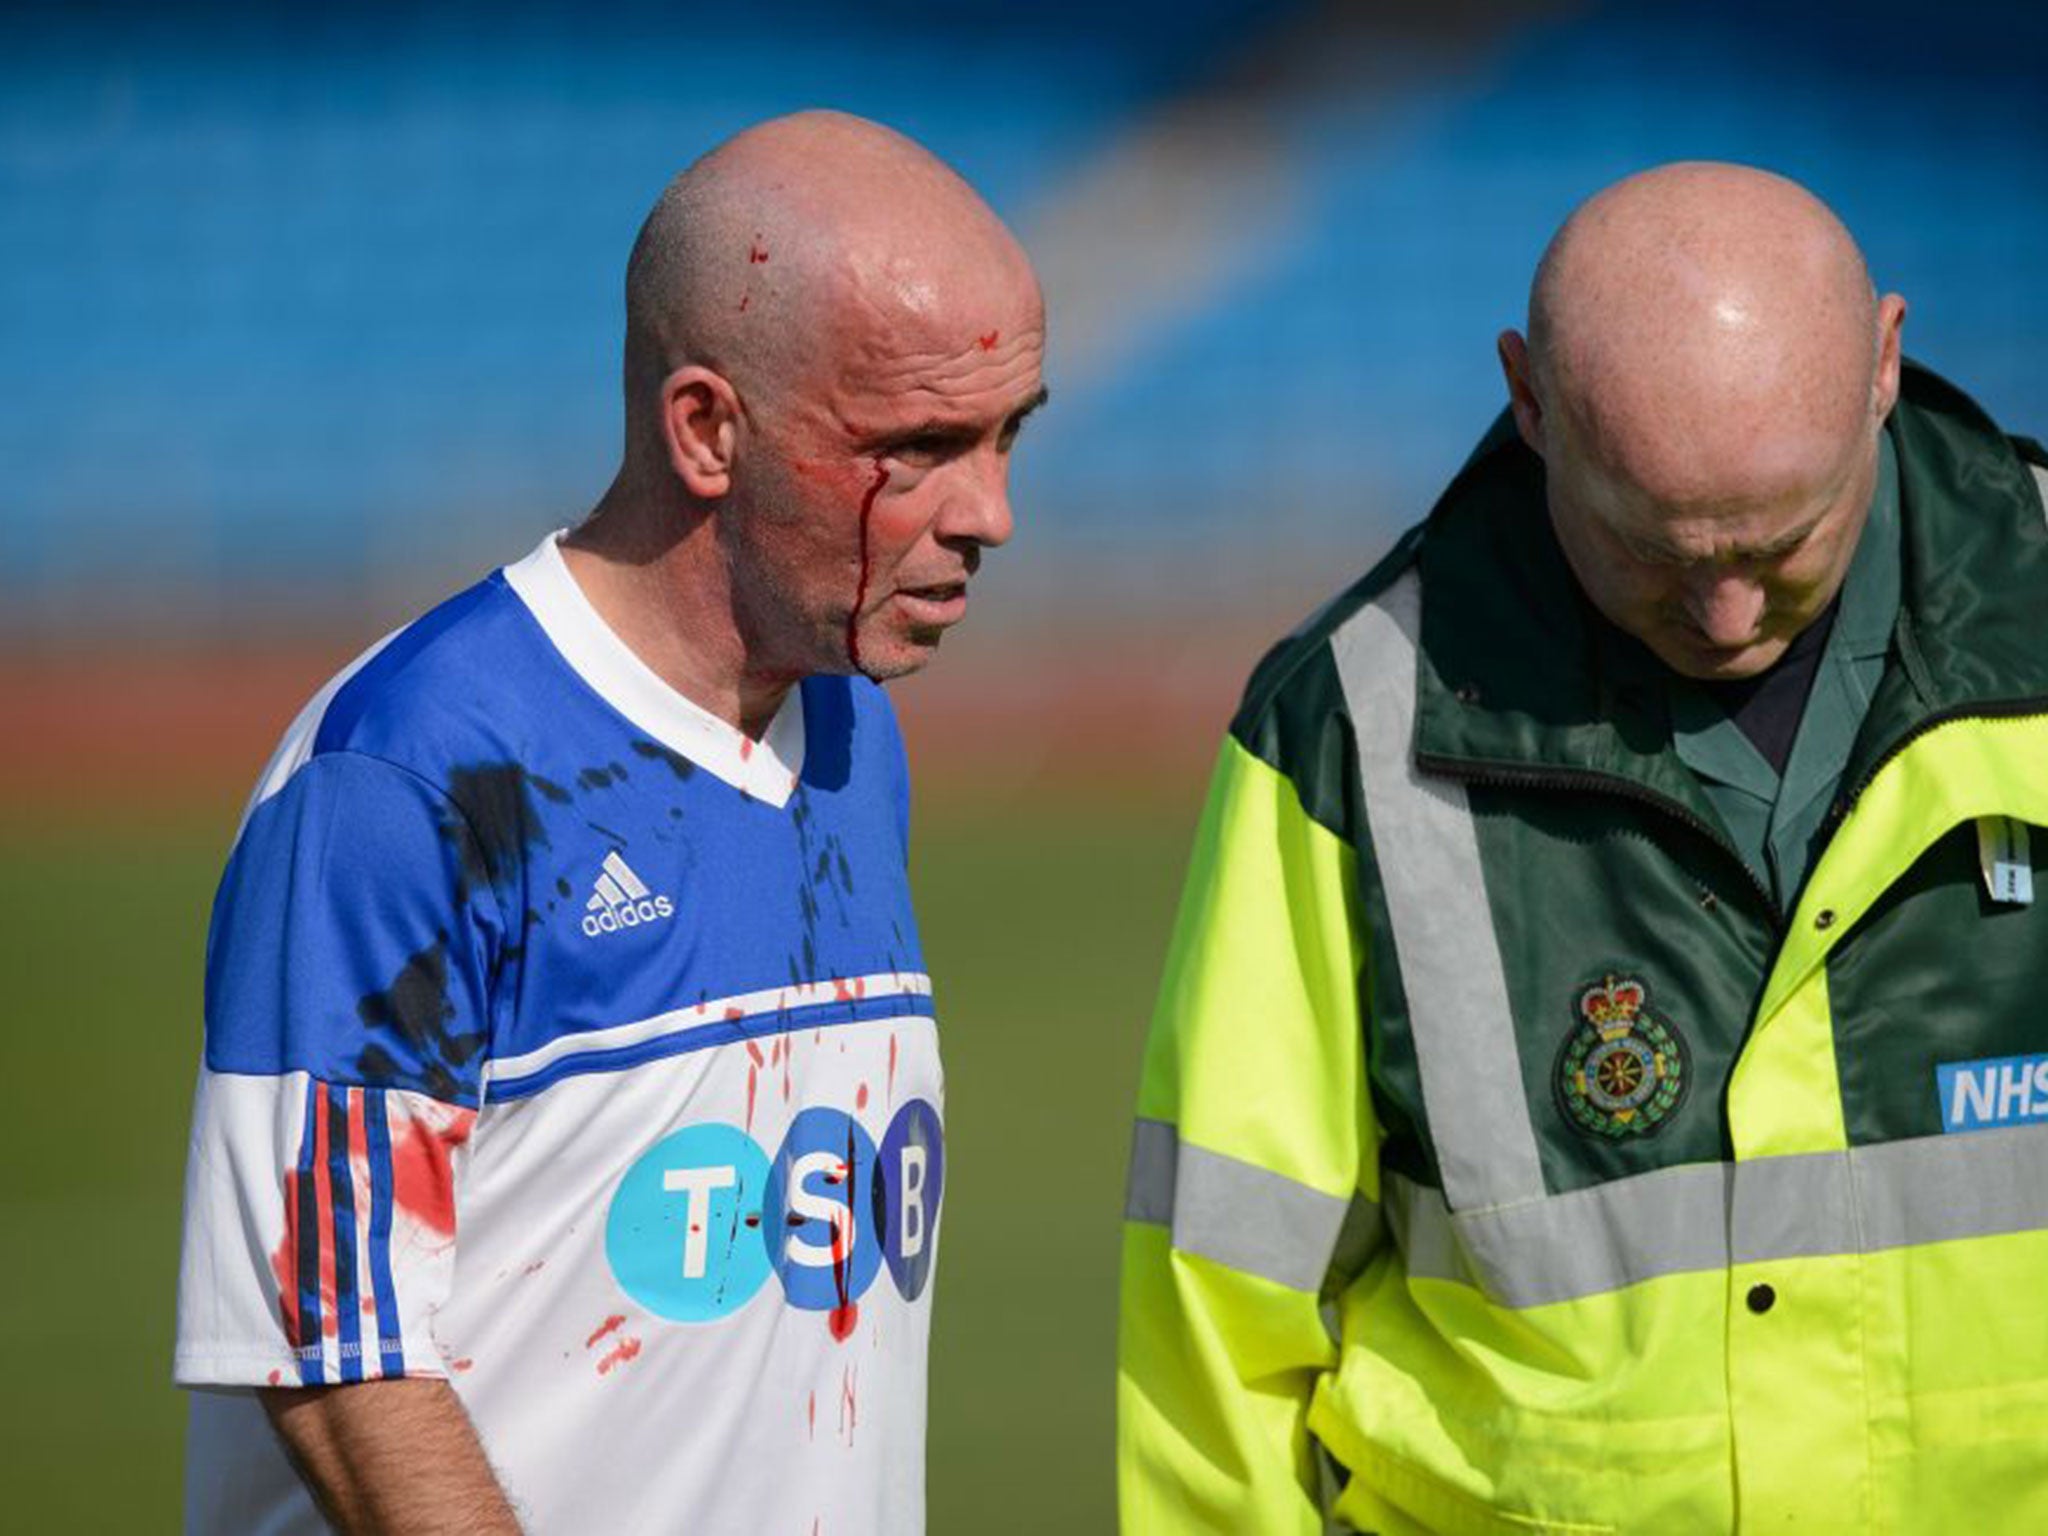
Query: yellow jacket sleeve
x=1254, y=1171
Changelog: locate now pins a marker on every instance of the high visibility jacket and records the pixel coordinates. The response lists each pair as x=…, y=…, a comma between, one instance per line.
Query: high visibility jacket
x=1507, y=1162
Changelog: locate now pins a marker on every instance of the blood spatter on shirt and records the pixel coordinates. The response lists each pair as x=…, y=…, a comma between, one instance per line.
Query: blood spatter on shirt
x=413, y=1042
x=323, y=1205
x=625, y=1350
x=845, y=1317
x=611, y=1324
x=669, y=758
x=423, y=1147
x=496, y=820
x=285, y=1260
x=599, y=778
x=616, y=839
x=849, y=1401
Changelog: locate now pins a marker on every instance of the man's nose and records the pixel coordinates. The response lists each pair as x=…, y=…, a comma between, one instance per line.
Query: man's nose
x=1725, y=605
x=977, y=507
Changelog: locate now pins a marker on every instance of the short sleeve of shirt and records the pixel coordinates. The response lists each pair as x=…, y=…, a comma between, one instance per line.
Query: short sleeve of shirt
x=348, y=1019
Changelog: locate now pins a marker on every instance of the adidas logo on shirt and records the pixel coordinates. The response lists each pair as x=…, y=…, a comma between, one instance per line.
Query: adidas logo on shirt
x=622, y=900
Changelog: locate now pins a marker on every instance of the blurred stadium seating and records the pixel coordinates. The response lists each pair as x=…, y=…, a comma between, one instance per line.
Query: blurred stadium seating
x=327, y=300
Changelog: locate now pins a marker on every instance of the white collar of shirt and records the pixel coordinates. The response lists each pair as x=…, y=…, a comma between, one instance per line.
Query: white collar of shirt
x=767, y=769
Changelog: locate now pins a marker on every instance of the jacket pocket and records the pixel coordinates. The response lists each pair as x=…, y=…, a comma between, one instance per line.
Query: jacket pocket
x=1397, y=1498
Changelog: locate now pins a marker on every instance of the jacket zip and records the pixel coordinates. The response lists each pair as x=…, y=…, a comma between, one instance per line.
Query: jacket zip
x=1570, y=779
x=1586, y=779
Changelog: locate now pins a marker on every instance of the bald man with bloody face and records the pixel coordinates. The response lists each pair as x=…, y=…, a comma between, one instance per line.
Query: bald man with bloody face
x=1600, y=1082
x=831, y=345
x=569, y=1153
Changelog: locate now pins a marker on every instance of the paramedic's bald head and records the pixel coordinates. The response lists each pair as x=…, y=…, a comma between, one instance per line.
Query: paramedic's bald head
x=1706, y=372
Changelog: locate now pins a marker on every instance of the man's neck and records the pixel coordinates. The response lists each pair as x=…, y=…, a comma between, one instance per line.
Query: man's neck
x=670, y=603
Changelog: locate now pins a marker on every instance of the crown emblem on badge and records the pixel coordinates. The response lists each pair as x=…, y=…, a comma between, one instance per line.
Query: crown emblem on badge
x=1611, y=1001
x=1622, y=1070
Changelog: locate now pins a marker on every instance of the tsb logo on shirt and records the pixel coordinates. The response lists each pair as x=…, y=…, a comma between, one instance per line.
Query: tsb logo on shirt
x=705, y=1216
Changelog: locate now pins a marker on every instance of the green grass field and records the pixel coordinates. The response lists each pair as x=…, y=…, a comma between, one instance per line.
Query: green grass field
x=1044, y=919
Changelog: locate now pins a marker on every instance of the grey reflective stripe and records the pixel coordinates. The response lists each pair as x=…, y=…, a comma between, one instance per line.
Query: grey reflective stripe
x=1427, y=850
x=1362, y=1235
x=1576, y=1244
x=2041, y=486
x=1149, y=1197
x=1977, y=1184
x=1705, y=1216
x=1235, y=1213
x=1797, y=1207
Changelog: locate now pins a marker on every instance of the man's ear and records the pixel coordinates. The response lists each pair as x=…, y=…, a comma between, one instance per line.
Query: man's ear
x=700, y=414
x=1515, y=365
x=1884, y=388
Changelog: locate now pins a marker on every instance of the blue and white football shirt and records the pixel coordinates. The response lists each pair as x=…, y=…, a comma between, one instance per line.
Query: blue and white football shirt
x=565, y=1043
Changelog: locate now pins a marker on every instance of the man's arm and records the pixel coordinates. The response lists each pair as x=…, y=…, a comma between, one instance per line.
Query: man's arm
x=1253, y=1165
x=396, y=1455
x=348, y=1015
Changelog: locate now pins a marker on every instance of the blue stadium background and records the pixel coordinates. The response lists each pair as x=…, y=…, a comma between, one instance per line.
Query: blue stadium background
x=330, y=299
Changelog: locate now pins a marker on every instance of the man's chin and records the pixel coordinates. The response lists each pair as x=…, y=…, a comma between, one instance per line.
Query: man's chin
x=911, y=651
x=1708, y=663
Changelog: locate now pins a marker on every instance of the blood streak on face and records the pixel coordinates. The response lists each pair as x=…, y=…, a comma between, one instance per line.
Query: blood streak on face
x=860, y=591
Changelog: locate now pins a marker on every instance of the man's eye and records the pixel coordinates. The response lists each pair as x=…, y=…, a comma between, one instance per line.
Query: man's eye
x=926, y=449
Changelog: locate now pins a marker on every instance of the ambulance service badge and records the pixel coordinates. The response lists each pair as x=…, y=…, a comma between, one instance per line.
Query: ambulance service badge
x=1622, y=1070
